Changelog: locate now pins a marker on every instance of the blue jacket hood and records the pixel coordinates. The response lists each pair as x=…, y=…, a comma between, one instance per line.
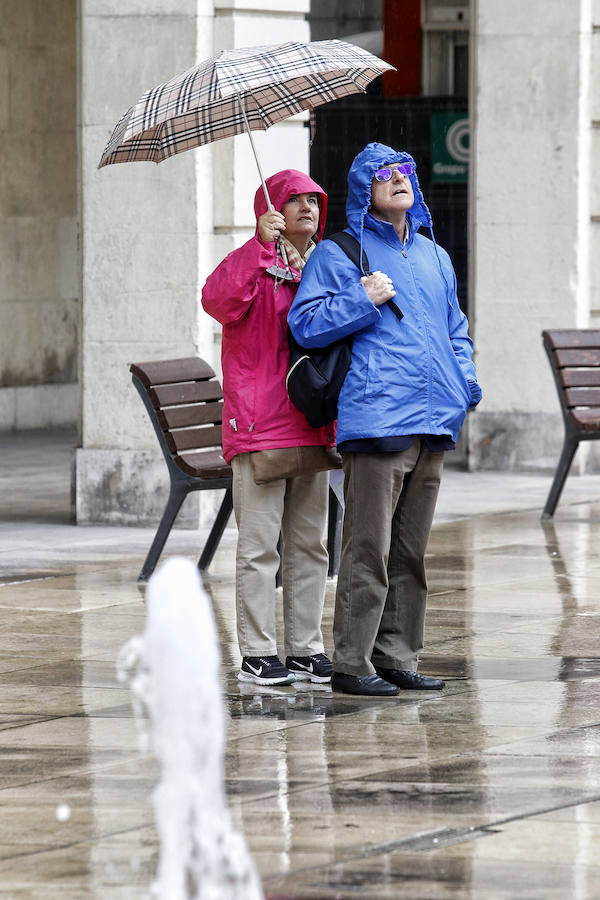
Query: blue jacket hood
x=360, y=176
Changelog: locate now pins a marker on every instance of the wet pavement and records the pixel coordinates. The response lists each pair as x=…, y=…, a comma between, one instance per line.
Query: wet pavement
x=489, y=790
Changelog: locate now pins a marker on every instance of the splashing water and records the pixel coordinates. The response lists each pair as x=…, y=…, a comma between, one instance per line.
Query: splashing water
x=173, y=671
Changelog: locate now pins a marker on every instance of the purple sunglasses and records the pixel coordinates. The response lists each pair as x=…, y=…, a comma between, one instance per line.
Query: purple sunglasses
x=385, y=173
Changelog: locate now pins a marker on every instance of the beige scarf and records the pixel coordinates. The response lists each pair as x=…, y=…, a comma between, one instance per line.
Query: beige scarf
x=291, y=257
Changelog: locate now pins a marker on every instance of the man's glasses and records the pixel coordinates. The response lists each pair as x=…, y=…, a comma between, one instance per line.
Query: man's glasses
x=386, y=172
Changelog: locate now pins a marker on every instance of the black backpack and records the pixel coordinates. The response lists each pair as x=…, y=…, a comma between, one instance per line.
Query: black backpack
x=315, y=377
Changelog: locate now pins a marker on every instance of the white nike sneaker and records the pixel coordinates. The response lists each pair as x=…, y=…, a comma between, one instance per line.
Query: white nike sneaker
x=265, y=670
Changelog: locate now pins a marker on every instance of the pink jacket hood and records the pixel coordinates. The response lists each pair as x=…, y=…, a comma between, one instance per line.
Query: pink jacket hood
x=241, y=295
x=281, y=187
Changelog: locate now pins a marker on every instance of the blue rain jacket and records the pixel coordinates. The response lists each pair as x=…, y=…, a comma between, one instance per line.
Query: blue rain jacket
x=413, y=376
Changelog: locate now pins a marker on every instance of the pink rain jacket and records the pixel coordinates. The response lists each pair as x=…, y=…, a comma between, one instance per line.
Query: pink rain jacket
x=241, y=295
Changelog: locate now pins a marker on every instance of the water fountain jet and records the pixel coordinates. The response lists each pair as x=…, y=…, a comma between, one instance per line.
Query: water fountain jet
x=173, y=671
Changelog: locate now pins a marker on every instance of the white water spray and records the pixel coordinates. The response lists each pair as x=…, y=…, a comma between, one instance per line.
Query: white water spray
x=173, y=671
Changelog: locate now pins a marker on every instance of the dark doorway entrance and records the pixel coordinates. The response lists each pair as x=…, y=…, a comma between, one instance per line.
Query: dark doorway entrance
x=341, y=130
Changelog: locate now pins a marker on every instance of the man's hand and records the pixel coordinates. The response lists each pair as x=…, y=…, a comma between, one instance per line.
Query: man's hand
x=270, y=225
x=379, y=287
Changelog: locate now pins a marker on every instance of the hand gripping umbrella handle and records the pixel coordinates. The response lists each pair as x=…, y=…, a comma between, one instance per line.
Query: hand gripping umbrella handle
x=262, y=180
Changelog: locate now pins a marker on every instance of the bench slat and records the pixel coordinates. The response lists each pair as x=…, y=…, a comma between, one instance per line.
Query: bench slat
x=579, y=377
x=169, y=371
x=180, y=394
x=571, y=338
x=204, y=465
x=579, y=358
x=188, y=416
x=586, y=419
x=194, y=438
x=582, y=396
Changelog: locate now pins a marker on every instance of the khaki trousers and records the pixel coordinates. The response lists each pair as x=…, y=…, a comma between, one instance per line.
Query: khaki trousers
x=296, y=507
x=382, y=589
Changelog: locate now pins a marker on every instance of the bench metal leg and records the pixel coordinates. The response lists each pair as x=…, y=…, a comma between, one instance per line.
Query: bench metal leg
x=562, y=470
x=177, y=495
x=216, y=532
x=334, y=533
x=335, y=520
x=279, y=574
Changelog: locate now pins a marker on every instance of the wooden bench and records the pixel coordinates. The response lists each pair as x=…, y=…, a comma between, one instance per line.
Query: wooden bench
x=574, y=356
x=184, y=401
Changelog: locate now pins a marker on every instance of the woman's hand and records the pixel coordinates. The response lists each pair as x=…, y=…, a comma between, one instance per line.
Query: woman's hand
x=379, y=287
x=270, y=225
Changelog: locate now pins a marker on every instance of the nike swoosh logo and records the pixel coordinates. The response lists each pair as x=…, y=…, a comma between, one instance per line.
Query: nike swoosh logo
x=306, y=668
x=256, y=671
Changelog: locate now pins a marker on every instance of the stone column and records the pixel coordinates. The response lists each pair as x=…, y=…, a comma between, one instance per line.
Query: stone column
x=146, y=233
x=245, y=23
x=530, y=217
x=39, y=284
x=595, y=168
x=151, y=234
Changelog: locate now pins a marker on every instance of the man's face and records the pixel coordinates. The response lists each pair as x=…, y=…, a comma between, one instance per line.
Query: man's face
x=301, y=214
x=392, y=197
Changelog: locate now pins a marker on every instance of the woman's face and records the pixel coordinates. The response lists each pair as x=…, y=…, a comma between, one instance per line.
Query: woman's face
x=301, y=214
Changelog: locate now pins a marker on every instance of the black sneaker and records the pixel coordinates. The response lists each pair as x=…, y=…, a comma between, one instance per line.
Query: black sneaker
x=315, y=668
x=265, y=670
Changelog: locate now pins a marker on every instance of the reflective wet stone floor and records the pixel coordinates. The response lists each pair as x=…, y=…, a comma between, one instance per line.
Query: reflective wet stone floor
x=488, y=790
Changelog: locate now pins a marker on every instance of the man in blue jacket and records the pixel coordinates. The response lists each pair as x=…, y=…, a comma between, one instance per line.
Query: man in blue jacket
x=402, y=404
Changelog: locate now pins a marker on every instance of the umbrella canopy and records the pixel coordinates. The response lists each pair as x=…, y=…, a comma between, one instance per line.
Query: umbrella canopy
x=236, y=91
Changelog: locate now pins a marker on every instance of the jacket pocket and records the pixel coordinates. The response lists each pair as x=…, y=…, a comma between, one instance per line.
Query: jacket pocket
x=460, y=384
x=374, y=382
x=475, y=392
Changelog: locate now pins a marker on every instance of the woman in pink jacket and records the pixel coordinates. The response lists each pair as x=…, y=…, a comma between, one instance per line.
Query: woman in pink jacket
x=250, y=294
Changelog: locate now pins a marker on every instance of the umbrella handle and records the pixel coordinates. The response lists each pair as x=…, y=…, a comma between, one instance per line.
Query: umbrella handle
x=262, y=180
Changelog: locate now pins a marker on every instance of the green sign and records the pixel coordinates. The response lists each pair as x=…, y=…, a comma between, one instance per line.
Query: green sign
x=449, y=146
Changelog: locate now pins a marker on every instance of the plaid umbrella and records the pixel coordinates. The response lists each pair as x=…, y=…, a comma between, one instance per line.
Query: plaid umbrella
x=236, y=91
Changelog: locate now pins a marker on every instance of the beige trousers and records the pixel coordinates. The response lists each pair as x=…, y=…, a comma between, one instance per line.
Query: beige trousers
x=296, y=508
x=382, y=589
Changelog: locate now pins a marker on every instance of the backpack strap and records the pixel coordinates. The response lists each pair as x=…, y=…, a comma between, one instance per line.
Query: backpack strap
x=351, y=247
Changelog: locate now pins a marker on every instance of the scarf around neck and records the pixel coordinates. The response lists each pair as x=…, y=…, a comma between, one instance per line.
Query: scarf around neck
x=291, y=259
